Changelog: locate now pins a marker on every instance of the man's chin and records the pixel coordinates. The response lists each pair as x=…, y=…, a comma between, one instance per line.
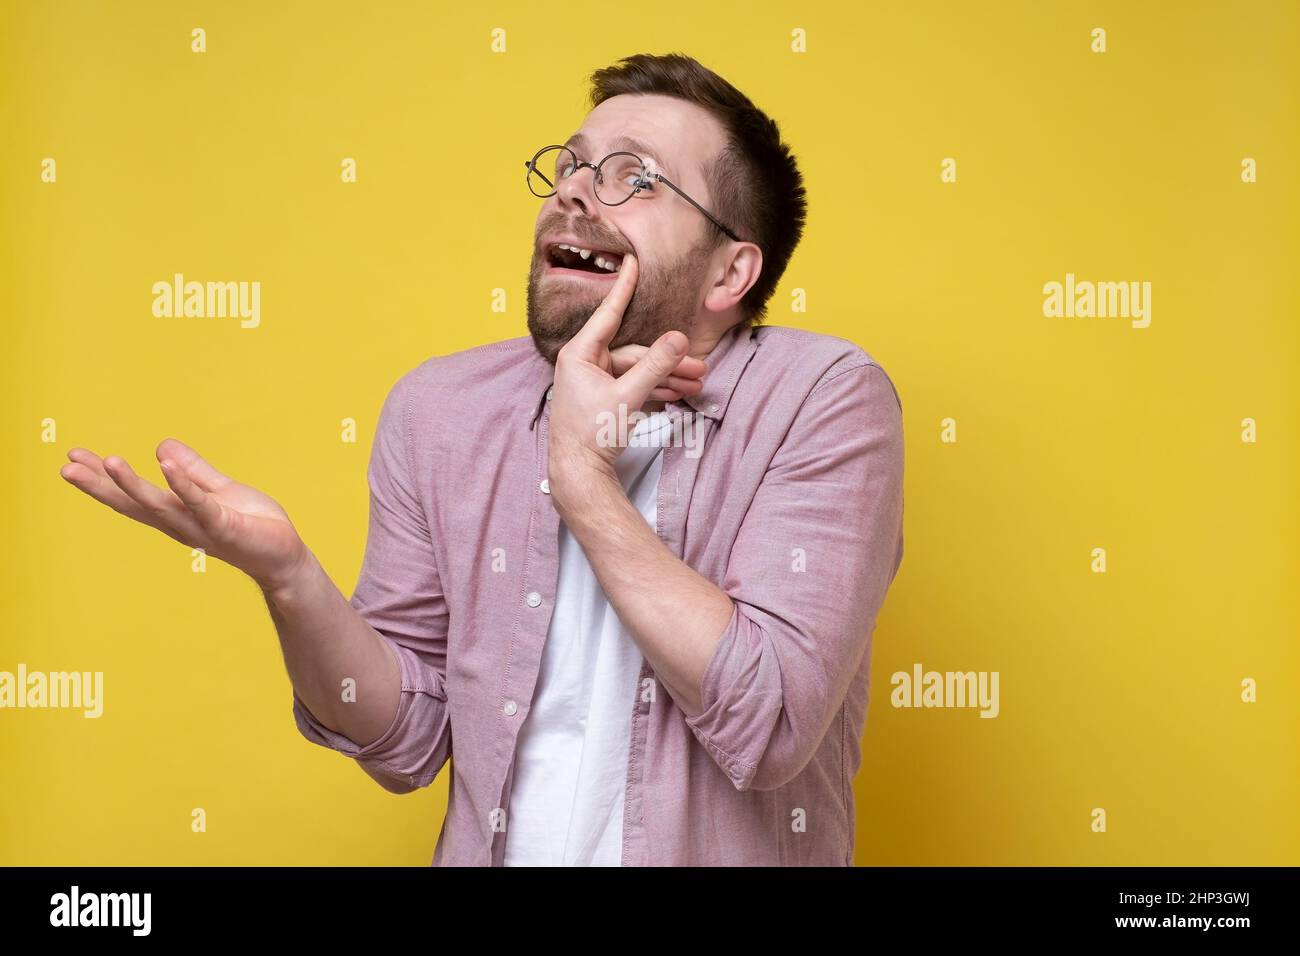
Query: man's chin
x=551, y=333
x=547, y=346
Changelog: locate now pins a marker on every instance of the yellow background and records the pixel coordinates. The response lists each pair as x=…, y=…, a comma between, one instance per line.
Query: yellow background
x=1118, y=690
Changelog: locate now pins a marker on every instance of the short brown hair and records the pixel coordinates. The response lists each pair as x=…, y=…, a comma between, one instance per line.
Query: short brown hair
x=755, y=186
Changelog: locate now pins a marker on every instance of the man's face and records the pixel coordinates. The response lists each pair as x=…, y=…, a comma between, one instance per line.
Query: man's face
x=670, y=238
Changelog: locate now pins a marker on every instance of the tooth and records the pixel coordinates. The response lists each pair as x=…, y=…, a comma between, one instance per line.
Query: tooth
x=585, y=253
x=565, y=245
x=600, y=261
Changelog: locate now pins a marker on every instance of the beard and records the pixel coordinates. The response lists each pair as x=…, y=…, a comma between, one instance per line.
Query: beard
x=665, y=299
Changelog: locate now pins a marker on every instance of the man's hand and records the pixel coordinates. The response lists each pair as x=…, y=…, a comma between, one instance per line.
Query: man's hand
x=624, y=551
x=588, y=396
x=684, y=380
x=204, y=509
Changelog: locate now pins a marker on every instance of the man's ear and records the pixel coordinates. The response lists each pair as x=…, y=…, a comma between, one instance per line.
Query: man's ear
x=738, y=274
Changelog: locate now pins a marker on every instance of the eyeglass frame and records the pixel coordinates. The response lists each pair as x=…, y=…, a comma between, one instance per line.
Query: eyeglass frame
x=531, y=165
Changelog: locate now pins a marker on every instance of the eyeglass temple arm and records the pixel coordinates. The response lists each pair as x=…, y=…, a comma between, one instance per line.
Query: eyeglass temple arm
x=528, y=164
x=667, y=182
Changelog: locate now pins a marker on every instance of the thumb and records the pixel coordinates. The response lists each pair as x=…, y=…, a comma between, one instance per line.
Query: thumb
x=636, y=384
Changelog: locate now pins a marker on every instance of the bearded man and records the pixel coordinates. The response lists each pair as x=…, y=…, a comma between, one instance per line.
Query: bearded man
x=642, y=651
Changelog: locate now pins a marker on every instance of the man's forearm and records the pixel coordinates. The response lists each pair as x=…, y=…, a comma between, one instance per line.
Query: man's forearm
x=675, y=615
x=325, y=640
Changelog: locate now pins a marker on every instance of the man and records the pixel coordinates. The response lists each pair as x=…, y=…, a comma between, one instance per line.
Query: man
x=622, y=573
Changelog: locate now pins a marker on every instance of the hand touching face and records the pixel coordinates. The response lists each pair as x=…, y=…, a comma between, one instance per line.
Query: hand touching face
x=588, y=386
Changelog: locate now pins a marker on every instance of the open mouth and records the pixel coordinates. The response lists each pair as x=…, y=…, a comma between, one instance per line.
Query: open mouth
x=565, y=258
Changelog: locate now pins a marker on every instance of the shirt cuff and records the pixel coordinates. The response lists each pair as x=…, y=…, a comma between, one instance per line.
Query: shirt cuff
x=741, y=699
x=416, y=681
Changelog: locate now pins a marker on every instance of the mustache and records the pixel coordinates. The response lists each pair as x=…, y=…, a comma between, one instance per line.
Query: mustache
x=580, y=228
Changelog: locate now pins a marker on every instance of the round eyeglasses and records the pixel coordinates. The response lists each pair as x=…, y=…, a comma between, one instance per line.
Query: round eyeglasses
x=618, y=177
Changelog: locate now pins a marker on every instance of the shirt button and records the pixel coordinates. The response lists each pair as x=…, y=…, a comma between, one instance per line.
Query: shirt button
x=713, y=408
x=510, y=708
x=549, y=392
x=546, y=486
x=534, y=599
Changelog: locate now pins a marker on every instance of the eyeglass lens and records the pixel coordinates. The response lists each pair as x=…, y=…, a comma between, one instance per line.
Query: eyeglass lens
x=618, y=178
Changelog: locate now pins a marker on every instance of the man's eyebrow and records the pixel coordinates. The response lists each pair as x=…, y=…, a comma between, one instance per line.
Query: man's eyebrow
x=629, y=143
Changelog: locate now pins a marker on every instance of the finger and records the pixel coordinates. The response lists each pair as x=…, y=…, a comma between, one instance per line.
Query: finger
x=202, y=505
x=637, y=382
x=102, y=489
x=691, y=367
x=687, y=386
x=163, y=510
x=88, y=458
x=671, y=389
x=625, y=356
x=599, y=330
x=86, y=473
x=192, y=463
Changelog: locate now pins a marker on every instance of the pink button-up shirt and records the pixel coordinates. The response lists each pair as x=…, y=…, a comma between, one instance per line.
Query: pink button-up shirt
x=794, y=509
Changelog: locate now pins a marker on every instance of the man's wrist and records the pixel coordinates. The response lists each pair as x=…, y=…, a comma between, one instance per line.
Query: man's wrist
x=577, y=476
x=291, y=585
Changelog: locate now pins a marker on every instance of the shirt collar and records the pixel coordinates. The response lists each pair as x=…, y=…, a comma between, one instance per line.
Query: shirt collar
x=725, y=363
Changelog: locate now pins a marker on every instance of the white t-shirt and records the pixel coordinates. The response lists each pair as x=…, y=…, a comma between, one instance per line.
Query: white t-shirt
x=566, y=803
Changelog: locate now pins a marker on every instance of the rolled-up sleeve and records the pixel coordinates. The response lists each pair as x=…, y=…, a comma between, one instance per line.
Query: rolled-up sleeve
x=816, y=553
x=399, y=594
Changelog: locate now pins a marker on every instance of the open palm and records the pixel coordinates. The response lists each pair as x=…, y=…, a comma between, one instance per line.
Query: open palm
x=204, y=509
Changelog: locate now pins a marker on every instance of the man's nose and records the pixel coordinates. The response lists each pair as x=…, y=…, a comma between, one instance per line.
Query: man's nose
x=578, y=189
